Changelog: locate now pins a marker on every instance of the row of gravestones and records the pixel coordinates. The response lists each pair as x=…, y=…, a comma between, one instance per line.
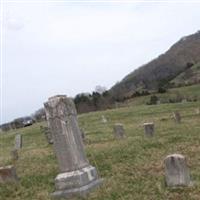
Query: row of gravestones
x=77, y=176
x=118, y=128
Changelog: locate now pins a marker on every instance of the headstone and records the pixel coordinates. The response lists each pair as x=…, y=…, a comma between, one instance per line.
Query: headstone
x=119, y=131
x=198, y=111
x=103, y=119
x=77, y=177
x=18, y=141
x=158, y=102
x=14, y=154
x=177, y=117
x=8, y=174
x=176, y=171
x=184, y=101
x=47, y=134
x=149, y=129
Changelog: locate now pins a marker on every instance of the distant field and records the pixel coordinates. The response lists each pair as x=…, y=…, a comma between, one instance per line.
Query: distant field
x=132, y=168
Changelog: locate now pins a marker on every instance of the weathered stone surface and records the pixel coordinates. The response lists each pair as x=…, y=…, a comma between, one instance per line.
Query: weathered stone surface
x=47, y=134
x=118, y=130
x=177, y=117
x=8, y=174
x=149, y=129
x=14, y=154
x=18, y=141
x=76, y=178
x=103, y=119
x=176, y=171
x=81, y=191
x=77, y=175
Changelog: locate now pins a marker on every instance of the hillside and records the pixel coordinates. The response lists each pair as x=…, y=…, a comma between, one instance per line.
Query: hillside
x=157, y=73
x=188, y=77
x=132, y=168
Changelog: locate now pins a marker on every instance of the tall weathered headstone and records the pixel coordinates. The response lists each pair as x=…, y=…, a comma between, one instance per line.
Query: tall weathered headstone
x=177, y=117
x=8, y=174
x=176, y=171
x=149, y=129
x=77, y=177
x=18, y=141
x=118, y=130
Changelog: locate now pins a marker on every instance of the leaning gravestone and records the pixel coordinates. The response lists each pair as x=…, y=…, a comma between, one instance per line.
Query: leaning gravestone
x=8, y=174
x=118, y=130
x=77, y=177
x=176, y=171
x=149, y=129
x=18, y=141
x=177, y=117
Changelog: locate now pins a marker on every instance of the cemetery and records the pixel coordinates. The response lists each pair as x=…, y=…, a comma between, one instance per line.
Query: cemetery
x=133, y=154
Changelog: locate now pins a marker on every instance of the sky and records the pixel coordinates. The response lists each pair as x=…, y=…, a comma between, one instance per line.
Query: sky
x=63, y=47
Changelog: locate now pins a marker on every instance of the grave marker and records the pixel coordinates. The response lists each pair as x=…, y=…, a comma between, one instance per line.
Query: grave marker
x=176, y=171
x=118, y=130
x=77, y=177
x=18, y=141
x=8, y=174
x=149, y=129
x=177, y=117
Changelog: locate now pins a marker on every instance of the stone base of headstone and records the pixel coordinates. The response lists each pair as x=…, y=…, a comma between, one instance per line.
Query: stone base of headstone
x=149, y=129
x=176, y=171
x=76, y=183
x=118, y=130
x=8, y=174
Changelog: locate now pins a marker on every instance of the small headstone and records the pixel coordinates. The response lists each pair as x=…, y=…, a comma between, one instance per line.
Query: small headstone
x=47, y=134
x=119, y=131
x=18, y=141
x=14, y=154
x=77, y=177
x=8, y=174
x=184, y=101
x=158, y=102
x=197, y=111
x=177, y=117
x=149, y=129
x=103, y=119
x=176, y=171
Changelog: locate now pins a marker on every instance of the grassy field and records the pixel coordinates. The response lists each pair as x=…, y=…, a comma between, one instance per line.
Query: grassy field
x=132, y=167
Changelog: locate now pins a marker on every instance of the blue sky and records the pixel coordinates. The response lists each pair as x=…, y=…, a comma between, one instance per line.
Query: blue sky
x=68, y=48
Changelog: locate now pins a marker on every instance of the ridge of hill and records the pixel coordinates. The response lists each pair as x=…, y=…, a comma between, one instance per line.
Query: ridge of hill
x=160, y=71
